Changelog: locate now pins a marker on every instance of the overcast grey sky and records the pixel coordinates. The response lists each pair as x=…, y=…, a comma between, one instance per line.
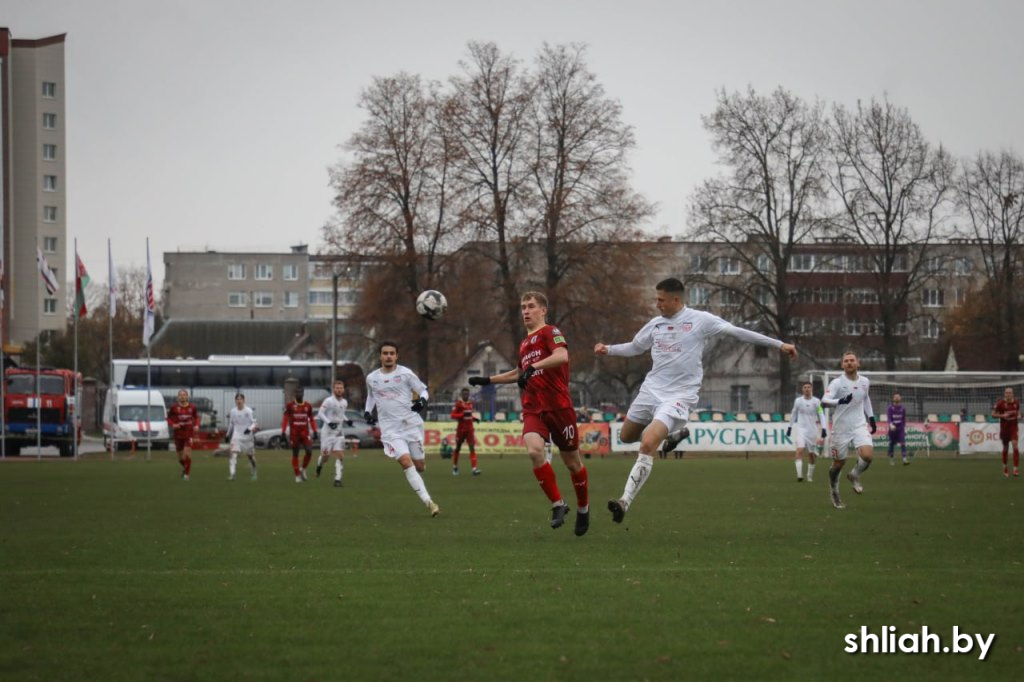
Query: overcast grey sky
x=211, y=123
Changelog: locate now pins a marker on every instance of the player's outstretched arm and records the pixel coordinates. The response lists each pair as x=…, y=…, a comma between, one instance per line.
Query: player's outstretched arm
x=788, y=349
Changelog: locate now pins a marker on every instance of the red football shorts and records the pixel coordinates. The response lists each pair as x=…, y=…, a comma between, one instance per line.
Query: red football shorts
x=558, y=425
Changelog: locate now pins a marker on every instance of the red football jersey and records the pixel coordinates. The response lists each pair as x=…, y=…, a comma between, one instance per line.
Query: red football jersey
x=299, y=417
x=183, y=420
x=547, y=389
x=463, y=411
x=1011, y=406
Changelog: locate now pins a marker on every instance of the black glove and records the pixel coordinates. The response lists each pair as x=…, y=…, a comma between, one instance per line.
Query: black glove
x=525, y=375
x=332, y=425
x=479, y=381
x=227, y=437
x=349, y=422
x=871, y=424
x=824, y=433
x=476, y=419
x=788, y=429
x=247, y=432
x=845, y=401
x=370, y=419
x=419, y=404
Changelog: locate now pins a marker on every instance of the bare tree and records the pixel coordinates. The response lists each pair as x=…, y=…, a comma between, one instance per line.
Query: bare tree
x=771, y=200
x=892, y=188
x=990, y=192
x=488, y=106
x=393, y=197
x=578, y=148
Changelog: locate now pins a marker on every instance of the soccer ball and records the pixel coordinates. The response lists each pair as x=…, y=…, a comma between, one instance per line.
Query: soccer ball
x=431, y=304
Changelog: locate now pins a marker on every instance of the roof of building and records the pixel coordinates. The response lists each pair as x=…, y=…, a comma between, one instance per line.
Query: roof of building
x=202, y=338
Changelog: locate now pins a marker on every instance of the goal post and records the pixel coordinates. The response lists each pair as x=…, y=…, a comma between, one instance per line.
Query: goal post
x=947, y=412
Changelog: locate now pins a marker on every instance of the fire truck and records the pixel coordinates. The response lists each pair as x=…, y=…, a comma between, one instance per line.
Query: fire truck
x=49, y=417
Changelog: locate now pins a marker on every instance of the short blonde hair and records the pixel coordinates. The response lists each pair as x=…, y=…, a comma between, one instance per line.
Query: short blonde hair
x=540, y=298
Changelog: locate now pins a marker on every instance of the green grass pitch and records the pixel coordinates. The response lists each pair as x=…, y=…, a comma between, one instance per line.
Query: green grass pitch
x=724, y=569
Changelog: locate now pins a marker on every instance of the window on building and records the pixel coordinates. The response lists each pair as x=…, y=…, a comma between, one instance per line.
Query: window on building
x=962, y=266
x=730, y=298
x=49, y=244
x=728, y=266
x=49, y=121
x=263, y=299
x=321, y=298
x=802, y=262
x=264, y=271
x=698, y=263
x=930, y=328
x=699, y=296
x=290, y=272
x=49, y=89
x=833, y=262
x=49, y=214
x=862, y=296
x=291, y=299
x=959, y=296
x=932, y=298
x=49, y=183
x=238, y=299
x=739, y=398
x=764, y=263
x=49, y=152
x=764, y=296
x=236, y=271
x=49, y=306
x=933, y=264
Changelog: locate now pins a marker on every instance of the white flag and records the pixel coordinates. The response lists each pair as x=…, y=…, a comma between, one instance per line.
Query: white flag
x=112, y=278
x=149, y=323
x=49, y=278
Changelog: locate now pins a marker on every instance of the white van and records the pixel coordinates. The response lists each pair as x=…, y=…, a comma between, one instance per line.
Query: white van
x=132, y=414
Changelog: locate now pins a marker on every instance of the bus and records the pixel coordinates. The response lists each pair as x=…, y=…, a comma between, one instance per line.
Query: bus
x=262, y=378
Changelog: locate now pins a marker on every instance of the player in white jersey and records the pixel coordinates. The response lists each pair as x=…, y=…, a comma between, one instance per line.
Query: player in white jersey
x=659, y=413
x=390, y=390
x=241, y=429
x=332, y=435
x=853, y=422
x=807, y=418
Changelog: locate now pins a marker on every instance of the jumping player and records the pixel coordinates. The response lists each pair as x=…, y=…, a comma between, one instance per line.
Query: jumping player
x=390, y=389
x=543, y=376
x=297, y=423
x=807, y=418
x=183, y=418
x=241, y=430
x=852, y=425
x=1007, y=411
x=896, y=415
x=332, y=442
x=463, y=413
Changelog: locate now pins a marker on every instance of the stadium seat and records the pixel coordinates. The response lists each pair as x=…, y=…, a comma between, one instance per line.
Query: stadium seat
x=499, y=416
x=706, y=416
x=932, y=418
x=883, y=417
x=741, y=417
x=596, y=417
x=979, y=418
x=776, y=417
x=717, y=417
x=955, y=418
x=609, y=416
x=765, y=417
x=787, y=417
x=486, y=417
x=730, y=417
x=943, y=418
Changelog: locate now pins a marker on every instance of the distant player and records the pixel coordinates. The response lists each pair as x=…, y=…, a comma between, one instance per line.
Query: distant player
x=853, y=422
x=659, y=413
x=548, y=412
x=399, y=396
x=298, y=424
x=807, y=419
x=896, y=415
x=464, y=433
x=183, y=418
x=332, y=440
x=241, y=434
x=1007, y=411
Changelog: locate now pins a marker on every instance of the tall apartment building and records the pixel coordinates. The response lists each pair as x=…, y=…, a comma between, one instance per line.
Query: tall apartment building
x=33, y=183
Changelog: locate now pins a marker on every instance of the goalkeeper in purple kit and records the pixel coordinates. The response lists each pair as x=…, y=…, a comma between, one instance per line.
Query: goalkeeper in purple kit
x=897, y=417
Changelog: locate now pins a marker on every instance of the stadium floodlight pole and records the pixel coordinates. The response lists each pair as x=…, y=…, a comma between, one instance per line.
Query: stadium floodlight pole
x=335, y=274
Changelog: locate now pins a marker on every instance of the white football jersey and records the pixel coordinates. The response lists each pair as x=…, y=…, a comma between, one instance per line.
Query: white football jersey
x=677, y=348
x=332, y=410
x=241, y=419
x=392, y=394
x=853, y=415
x=807, y=416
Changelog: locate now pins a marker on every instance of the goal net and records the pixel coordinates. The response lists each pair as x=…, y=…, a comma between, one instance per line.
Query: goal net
x=941, y=406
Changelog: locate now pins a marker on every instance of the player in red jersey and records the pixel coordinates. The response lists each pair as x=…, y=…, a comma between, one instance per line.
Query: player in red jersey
x=299, y=424
x=183, y=418
x=1007, y=411
x=543, y=375
x=463, y=412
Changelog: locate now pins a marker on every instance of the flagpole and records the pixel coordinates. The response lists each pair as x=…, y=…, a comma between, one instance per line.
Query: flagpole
x=79, y=290
x=111, y=311
x=39, y=342
x=145, y=334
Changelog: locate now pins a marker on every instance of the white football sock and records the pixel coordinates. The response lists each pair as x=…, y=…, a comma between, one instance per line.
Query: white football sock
x=799, y=468
x=417, y=484
x=810, y=471
x=319, y=460
x=337, y=469
x=232, y=464
x=637, y=477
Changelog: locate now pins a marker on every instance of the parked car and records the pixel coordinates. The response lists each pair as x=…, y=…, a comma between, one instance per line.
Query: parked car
x=360, y=432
